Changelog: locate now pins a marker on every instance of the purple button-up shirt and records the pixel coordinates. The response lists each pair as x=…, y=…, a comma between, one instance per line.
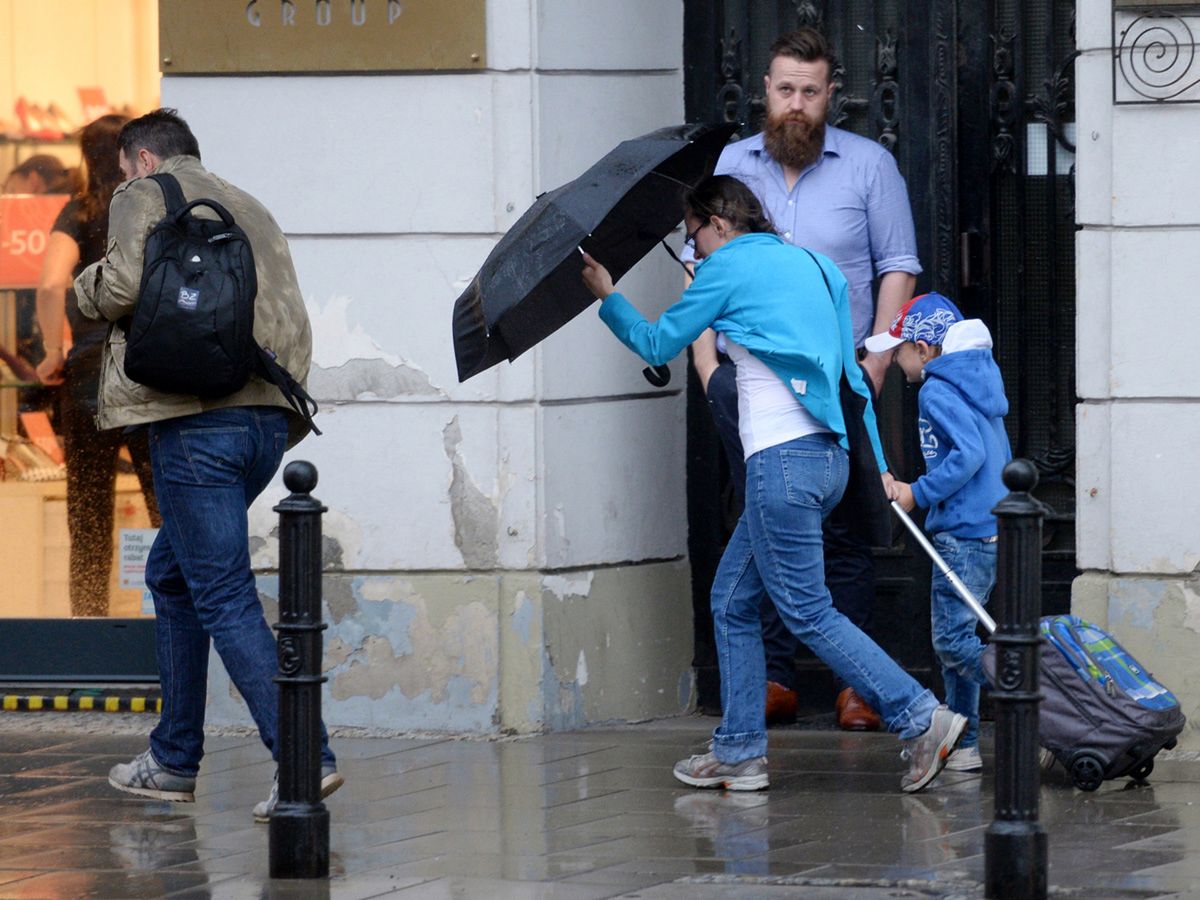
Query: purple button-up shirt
x=851, y=205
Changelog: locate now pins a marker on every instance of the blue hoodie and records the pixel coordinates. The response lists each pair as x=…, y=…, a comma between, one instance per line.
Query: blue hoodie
x=962, y=408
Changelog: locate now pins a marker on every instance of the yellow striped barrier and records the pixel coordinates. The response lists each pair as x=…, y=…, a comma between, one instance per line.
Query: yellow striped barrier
x=68, y=703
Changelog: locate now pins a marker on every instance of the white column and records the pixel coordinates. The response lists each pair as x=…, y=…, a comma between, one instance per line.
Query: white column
x=508, y=553
x=1138, y=486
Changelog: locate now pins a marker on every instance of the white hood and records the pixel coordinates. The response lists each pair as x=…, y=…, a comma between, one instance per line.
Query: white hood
x=969, y=334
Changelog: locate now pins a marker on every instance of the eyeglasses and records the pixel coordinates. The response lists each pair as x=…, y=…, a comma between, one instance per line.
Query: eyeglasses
x=690, y=240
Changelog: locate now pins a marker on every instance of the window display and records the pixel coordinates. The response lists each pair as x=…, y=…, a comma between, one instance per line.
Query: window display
x=77, y=504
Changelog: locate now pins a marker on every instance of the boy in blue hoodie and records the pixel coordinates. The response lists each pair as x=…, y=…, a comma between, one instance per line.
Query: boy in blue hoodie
x=962, y=408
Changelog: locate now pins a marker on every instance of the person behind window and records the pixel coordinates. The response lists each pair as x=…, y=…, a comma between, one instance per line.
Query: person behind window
x=78, y=240
x=40, y=174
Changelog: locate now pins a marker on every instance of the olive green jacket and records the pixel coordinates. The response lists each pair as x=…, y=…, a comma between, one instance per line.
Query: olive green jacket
x=109, y=290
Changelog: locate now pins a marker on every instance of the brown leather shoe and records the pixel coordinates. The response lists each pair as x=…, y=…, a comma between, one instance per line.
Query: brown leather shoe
x=853, y=713
x=781, y=704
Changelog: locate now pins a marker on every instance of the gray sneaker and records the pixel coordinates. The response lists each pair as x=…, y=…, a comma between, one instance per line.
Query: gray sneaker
x=146, y=778
x=927, y=753
x=706, y=771
x=965, y=759
x=330, y=782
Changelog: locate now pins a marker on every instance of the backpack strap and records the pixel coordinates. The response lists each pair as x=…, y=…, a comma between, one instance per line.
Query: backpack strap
x=172, y=192
x=863, y=509
x=829, y=288
x=295, y=395
x=820, y=269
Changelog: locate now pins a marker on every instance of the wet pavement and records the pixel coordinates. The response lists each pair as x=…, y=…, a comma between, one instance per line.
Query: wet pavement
x=582, y=815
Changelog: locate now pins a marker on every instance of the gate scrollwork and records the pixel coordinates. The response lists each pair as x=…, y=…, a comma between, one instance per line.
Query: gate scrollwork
x=1006, y=104
x=886, y=100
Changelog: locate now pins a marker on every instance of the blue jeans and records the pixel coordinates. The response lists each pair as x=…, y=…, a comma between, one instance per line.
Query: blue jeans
x=958, y=648
x=849, y=561
x=779, y=645
x=208, y=468
x=777, y=547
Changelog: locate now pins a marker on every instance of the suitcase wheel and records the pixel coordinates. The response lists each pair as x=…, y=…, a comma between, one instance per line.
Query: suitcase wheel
x=1087, y=771
x=1171, y=744
x=1142, y=771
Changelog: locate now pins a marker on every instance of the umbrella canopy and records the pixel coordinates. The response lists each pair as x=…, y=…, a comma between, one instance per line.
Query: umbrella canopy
x=530, y=284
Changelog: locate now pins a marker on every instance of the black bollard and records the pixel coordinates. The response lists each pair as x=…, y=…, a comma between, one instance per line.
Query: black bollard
x=1015, y=843
x=299, y=829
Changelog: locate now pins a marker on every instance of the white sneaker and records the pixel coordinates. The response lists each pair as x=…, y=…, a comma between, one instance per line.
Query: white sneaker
x=330, y=782
x=1046, y=759
x=965, y=759
x=706, y=771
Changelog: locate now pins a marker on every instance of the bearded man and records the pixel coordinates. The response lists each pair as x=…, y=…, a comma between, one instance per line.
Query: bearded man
x=841, y=195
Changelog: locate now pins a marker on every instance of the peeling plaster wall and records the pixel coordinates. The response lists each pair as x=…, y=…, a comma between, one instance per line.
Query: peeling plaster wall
x=476, y=518
x=513, y=653
x=506, y=554
x=589, y=643
x=1138, y=422
x=1158, y=621
x=415, y=652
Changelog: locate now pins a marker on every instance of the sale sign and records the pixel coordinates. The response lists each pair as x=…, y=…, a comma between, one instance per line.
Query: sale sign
x=25, y=223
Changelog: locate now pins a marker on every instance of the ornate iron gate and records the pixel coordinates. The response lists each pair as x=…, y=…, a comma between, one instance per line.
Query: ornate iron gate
x=975, y=99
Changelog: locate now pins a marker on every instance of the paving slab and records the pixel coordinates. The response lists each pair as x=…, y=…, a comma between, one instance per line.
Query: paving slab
x=584, y=815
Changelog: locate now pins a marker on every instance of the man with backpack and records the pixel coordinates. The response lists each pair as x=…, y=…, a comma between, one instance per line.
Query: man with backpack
x=213, y=449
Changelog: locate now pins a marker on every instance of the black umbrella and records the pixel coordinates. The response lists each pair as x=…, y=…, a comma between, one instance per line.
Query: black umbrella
x=617, y=211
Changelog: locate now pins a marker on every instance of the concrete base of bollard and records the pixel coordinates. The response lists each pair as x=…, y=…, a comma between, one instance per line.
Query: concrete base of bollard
x=1015, y=861
x=299, y=841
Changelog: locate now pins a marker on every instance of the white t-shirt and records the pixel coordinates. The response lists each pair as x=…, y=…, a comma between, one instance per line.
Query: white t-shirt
x=768, y=412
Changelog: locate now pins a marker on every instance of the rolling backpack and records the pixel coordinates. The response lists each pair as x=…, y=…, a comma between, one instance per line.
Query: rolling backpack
x=192, y=331
x=1103, y=714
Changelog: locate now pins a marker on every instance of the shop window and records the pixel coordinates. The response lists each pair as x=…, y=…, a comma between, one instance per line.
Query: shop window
x=74, y=520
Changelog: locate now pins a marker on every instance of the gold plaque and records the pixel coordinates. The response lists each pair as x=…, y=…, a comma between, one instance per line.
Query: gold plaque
x=297, y=36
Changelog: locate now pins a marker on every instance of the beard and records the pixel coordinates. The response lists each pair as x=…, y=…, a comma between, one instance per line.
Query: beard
x=793, y=139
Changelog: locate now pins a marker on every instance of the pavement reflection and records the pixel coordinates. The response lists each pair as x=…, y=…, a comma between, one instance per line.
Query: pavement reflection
x=585, y=814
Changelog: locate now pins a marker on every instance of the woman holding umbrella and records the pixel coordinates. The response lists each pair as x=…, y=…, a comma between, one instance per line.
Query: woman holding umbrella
x=789, y=334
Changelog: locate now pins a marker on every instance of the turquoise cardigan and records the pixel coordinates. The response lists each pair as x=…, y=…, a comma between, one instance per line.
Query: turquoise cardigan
x=767, y=296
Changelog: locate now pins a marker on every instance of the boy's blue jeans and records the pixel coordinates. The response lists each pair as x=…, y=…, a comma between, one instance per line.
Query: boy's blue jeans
x=208, y=468
x=958, y=648
x=777, y=546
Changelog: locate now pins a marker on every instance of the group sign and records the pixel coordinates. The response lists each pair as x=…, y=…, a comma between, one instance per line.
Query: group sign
x=25, y=223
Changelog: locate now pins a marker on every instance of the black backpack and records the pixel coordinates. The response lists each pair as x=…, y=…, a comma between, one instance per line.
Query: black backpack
x=192, y=331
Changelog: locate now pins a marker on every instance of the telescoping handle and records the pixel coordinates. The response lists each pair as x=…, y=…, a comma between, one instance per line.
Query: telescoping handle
x=963, y=591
